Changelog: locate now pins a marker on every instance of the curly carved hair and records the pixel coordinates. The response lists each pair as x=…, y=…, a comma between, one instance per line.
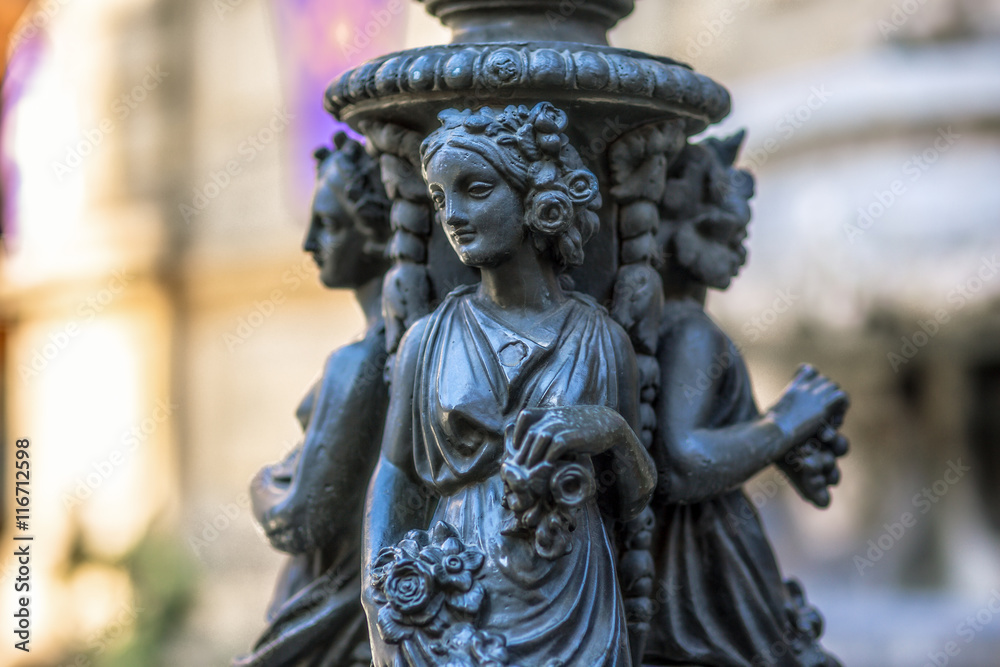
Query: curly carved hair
x=530, y=150
x=356, y=180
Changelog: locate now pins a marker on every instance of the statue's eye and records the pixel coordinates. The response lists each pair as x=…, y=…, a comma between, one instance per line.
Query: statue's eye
x=480, y=190
x=330, y=224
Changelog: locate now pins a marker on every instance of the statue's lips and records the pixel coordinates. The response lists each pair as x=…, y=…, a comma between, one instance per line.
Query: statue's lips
x=463, y=236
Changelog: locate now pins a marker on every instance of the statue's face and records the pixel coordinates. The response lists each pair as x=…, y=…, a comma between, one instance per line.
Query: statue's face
x=711, y=247
x=482, y=214
x=336, y=246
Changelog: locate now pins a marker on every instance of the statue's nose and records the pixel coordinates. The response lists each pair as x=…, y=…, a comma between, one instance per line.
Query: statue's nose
x=455, y=215
x=309, y=243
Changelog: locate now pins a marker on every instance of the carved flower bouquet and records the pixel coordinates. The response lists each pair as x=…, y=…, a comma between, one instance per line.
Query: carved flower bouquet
x=430, y=600
x=545, y=498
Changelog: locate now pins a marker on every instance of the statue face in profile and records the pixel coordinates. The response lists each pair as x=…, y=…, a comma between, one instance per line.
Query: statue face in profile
x=336, y=246
x=481, y=212
x=350, y=216
x=711, y=247
x=706, y=235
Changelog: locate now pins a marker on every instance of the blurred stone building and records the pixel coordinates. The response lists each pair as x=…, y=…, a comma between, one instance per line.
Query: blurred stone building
x=159, y=322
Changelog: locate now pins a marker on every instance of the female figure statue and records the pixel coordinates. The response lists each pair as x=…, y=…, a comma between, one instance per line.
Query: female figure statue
x=504, y=403
x=721, y=597
x=309, y=505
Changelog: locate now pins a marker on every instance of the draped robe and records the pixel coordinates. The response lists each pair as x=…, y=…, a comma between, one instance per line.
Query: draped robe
x=721, y=597
x=475, y=373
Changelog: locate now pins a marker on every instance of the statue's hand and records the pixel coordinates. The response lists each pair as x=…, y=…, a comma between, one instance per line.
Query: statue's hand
x=277, y=507
x=812, y=466
x=549, y=434
x=810, y=401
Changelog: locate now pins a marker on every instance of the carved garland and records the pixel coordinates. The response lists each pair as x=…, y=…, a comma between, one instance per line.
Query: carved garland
x=406, y=289
x=639, y=163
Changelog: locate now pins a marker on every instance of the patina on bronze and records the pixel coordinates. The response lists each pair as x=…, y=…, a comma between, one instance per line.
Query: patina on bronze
x=552, y=484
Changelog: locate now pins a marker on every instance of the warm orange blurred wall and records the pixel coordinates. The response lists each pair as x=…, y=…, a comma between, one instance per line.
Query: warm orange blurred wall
x=10, y=12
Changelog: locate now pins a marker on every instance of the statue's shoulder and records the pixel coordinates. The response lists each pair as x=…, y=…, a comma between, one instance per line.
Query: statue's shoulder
x=594, y=311
x=444, y=309
x=585, y=303
x=347, y=359
x=460, y=292
x=455, y=297
x=685, y=325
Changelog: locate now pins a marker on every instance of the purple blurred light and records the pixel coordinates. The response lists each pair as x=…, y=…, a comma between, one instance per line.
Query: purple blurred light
x=318, y=40
x=21, y=66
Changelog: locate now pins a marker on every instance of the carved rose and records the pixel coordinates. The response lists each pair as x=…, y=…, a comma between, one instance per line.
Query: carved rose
x=465, y=646
x=426, y=584
x=548, y=119
x=550, y=212
x=544, y=499
x=582, y=185
x=572, y=485
x=552, y=536
x=410, y=586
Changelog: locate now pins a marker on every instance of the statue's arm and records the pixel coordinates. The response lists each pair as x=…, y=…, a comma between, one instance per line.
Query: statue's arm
x=304, y=413
x=310, y=507
x=695, y=461
x=698, y=461
x=397, y=500
x=606, y=432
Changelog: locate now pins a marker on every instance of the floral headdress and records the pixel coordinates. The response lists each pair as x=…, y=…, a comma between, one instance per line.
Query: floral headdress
x=356, y=180
x=529, y=148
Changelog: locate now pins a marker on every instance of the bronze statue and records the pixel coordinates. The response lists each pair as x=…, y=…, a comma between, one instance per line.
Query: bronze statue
x=502, y=400
x=557, y=484
x=310, y=504
x=721, y=599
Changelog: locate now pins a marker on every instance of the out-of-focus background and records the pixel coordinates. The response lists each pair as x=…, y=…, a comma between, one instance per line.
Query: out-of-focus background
x=159, y=323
